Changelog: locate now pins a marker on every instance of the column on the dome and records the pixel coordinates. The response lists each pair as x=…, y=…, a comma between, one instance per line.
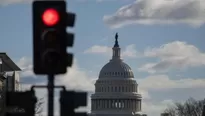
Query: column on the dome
x=100, y=103
x=121, y=104
x=125, y=104
x=97, y=104
x=122, y=101
x=94, y=104
x=118, y=105
x=130, y=104
x=105, y=106
x=135, y=105
x=91, y=104
x=112, y=104
x=115, y=103
x=109, y=103
x=105, y=103
x=140, y=105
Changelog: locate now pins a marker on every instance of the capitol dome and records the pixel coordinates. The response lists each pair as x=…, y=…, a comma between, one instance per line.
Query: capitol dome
x=116, y=68
x=116, y=90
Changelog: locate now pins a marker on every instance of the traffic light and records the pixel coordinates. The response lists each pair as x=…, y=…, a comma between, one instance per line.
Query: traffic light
x=50, y=39
x=70, y=100
x=20, y=103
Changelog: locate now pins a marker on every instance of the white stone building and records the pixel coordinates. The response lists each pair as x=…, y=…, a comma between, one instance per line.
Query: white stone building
x=116, y=90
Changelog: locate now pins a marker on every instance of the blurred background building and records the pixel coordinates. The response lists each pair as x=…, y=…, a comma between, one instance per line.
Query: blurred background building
x=9, y=78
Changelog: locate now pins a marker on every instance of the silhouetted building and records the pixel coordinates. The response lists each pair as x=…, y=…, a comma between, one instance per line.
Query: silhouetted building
x=116, y=90
x=9, y=78
x=13, y=82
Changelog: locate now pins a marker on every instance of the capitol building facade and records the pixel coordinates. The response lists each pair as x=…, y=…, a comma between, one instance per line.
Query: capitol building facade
x=116, y=90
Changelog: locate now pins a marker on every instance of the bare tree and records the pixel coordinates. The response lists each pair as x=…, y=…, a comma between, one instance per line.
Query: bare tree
x=39, y=107
x=191, y=107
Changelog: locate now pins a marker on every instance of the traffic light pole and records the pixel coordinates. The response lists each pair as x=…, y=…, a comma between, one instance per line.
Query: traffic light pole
x=50, y=94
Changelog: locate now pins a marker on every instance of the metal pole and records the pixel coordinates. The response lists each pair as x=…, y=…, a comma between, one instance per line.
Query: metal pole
x=50, y=95
x=203, y=112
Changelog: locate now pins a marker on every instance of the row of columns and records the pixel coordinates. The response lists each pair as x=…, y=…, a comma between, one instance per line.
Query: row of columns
x=122, y=104
x=131, y=88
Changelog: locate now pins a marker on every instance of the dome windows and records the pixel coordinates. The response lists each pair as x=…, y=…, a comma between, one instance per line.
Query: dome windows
x=116, y=69
x=119, y=74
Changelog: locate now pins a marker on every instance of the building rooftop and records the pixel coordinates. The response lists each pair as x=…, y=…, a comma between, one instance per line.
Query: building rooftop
x=8, y=64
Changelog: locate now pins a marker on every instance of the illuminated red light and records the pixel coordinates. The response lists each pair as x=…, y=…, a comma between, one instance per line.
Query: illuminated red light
x=50, y=17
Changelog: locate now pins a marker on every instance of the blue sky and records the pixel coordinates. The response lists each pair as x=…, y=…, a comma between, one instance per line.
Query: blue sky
x=173, y=52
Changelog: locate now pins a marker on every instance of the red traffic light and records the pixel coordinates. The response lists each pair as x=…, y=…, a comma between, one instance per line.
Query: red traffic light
x=50, y=17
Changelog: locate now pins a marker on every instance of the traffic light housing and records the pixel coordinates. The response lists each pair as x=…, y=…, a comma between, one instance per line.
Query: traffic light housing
x=50, y=39
x=20, y=103
x=70, y=100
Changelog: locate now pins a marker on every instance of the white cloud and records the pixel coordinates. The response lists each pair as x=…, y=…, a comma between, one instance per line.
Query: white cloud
x=26, y=66
x=144, y=93
x=155, y=109
x=176, y=54
x=97, y=49
x=129, y=52
x=150, y=12
x=165, y=83
x=160, y=83
x=74, y=79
